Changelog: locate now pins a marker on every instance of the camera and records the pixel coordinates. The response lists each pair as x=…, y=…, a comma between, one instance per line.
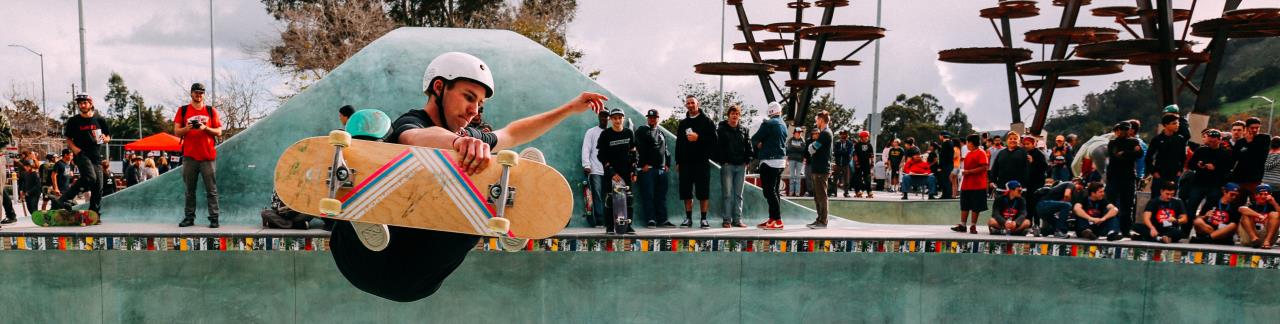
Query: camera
x=194, y=123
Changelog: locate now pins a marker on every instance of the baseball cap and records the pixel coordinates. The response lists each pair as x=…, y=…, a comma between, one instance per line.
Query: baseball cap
x=799, y=129
x=616, y=111
x=1124, y=125
x=1012, y=184
x=774, y=109
x=83, y=97
x=197, y=87
x=946, y=134
x=1263, y=188
x=1059, y=158
x=651, y=113
x=1231, y=186
x=1171, y=109
x=1213, y=133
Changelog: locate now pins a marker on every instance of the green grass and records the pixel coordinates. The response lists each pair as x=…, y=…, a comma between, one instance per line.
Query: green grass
x=1246, y=104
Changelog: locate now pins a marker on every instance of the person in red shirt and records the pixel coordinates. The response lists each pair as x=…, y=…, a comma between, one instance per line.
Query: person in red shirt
x=973, y=187
x=916, y=172
x=198, y=125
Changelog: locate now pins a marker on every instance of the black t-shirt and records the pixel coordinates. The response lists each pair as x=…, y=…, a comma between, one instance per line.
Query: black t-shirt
x=80, y=130
x=895, y=157
x=415, y=261
x=1218, y=213
x=615, y=150
x=1059, y=191
x=1006, y=209
x=1095, y=208
x=63, y=170
x=1165, y=213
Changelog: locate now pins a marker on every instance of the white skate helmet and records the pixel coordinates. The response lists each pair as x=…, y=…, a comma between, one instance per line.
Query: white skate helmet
x=453, y=65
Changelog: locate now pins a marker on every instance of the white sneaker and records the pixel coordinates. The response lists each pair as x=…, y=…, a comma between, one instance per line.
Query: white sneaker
x=375, y=237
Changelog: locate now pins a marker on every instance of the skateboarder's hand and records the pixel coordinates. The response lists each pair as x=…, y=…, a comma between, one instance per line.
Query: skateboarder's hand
x=474, y=154
x=592, y=100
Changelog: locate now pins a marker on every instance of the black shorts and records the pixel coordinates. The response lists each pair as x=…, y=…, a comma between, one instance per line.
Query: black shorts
x=973, y=200
x=695, y=178
x=412, y=267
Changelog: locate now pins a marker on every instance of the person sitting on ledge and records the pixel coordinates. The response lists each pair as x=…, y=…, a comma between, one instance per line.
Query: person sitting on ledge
x=1009, y=212
x=916, y=173
x=1163, y=218
x=1096, y=215
x=1259, y=220
x=1218, y=220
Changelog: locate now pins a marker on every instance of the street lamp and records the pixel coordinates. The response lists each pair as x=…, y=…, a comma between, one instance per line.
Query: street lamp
x=44, y=103
x=1271, y=117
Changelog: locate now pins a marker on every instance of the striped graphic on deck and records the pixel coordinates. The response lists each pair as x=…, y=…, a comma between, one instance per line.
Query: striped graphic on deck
x=401, y=169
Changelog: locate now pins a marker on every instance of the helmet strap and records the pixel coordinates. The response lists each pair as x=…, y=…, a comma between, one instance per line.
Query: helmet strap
x=444, y=122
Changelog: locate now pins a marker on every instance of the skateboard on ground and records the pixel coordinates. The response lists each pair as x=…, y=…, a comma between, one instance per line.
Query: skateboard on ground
x=391, y=184
x=63, y=217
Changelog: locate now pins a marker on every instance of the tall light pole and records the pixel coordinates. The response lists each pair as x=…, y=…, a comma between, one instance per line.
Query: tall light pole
x=83, y=85
x=1271, y=117
x=44, y=103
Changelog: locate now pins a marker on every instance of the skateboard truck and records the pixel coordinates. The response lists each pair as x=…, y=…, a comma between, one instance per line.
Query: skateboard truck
x=340, y=176
x=499, y=223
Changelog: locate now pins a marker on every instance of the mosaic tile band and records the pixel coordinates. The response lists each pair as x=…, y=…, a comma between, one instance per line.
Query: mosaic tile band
x=318, y=243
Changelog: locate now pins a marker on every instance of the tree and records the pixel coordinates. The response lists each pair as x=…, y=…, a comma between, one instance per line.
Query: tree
x=31, y=129
x=240, y=101
x=319, y=35
x=117, y=99
x=709, y=100
x=915, y=117
x=957, y=122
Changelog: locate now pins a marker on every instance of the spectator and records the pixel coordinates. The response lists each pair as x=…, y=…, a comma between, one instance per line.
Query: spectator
x=87, y=133
x=734, y=152
x=1140, y=168
x=771, y=151
x=344, y=114
x=1183, y=125
x=1073, y=143
x=162, y=163
x=1167, y=153
x=1009, y=212
x=695, y=140
x=916, y=173
x=795, y=162
x=62, y=174
x=1250, y=156
x=993, y=151
x=46, y=180
x=198, y=125
x=1096, y=215
x=1122, y=154
x=893, y=158
x=133, y=170
x=973, y=188
x=1271, y=169
x=1259, y=220
x=149, y=170
x=651, y=147
x=1163, y=218
x=110, y=182
x=614, y=149
x=1060, y=171
x=807, y=184
x=1011, y=163
x=820, y=168
x=946, y=156
x=863, y=153
x=29, y=185
x=1206, y=174
x=880, y=175
x=1218, y=221
x=1055, y=206
x=843, y=157
x=959, y=150
x=1037, y=171
x=595, y=170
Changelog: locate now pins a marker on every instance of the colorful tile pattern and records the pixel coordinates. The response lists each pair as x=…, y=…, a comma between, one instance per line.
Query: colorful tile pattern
x=557, y=244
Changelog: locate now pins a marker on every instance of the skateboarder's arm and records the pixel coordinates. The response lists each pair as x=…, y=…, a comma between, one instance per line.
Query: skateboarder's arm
x=474, y=152
x=529, y=128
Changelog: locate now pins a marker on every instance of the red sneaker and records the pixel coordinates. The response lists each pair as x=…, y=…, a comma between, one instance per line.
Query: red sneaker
x=776, y=225
x=765, y=224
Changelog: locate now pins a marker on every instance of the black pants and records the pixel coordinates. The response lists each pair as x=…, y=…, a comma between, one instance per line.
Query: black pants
x=9, y=213
x=944, y=179
x=90, y=180
x=769, y=178
x=862, y=177
x=33, y=201
x=1121, y=193
x=412, y=267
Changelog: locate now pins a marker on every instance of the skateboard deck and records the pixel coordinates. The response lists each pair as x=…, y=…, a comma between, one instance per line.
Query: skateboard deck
x=418, y=187
x=61, y=217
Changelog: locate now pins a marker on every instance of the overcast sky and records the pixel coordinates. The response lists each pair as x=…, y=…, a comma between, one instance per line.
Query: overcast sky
x=645, y=48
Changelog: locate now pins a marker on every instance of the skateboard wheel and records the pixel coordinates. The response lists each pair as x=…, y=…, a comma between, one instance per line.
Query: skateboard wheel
x=511, y=244
x=374, y=237
x=330, y=207
x=340, y=138
x=533, y=154
x=508, y=158
x=499, y=225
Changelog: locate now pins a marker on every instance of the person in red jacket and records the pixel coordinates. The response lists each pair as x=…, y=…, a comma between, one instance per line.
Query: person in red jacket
x=916, y=172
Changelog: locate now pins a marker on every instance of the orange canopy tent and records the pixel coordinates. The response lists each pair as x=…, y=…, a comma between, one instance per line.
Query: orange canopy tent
x=157, y=142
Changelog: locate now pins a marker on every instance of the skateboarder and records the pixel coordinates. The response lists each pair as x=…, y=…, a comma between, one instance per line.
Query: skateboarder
x=415, y=262
x=86, y=133
x=614, y=152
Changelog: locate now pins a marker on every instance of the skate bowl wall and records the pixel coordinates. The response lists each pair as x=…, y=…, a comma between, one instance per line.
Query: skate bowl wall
x=634, y=287
x=387, y=75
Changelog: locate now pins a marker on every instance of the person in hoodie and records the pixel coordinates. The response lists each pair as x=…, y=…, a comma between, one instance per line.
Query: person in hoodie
x=733, y=153
x=795, y=162
x=771, y=152
x=695, y=141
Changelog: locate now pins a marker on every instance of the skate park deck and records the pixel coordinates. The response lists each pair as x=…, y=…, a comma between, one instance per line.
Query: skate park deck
x=851, y=272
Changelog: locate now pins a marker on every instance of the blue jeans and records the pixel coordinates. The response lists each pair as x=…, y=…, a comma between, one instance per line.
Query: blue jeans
x=1056, y=213
x=1109, y=226
x=732, y=179
x=596, y=181
x=653, y=194
x=796, y=177
x=1193, y=195
x=909, y=183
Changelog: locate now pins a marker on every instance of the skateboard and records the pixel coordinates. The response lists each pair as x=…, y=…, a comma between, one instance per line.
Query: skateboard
x=62, y=217
x=620, y=209
x=418, y=187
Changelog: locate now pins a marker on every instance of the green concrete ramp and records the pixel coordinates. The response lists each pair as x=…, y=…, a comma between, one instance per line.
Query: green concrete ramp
x=387, y=75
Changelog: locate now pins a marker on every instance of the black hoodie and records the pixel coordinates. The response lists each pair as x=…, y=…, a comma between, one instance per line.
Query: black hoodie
x=734, y=145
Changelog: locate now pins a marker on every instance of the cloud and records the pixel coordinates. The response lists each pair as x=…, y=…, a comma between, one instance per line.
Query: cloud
x=963, y=97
